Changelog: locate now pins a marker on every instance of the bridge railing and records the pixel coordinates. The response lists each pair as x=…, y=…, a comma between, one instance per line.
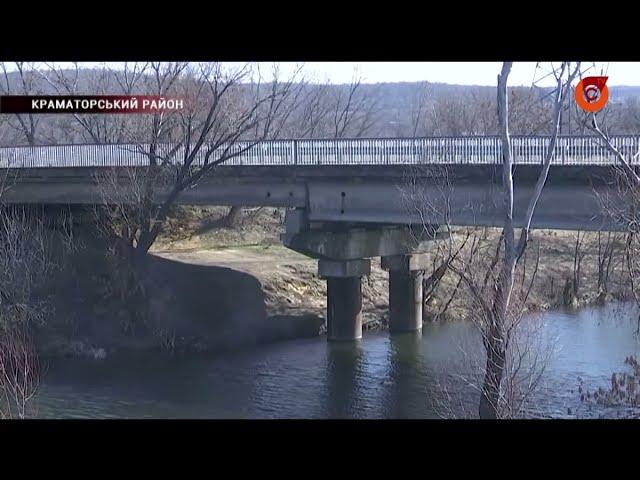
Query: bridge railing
x=381, y=151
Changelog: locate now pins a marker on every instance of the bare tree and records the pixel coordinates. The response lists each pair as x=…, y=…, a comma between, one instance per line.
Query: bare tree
x=5, y=138
x=19, y=372
x=529, y=351
x=630, y=116
x=25, y=262
x=472, y=113
x=228, y=112
x=313, y=112
x=494, y=304
x=527, y=359
x=453, y=116
x=352, y=111
x=625, y=205
x=531, y=111
x=499, y=318
x=419, y=110
x=33, y=246
x=25, y=83
x=207, y=137
x=331, y=111
x=606, y=252
x=578, y=255
x=132, y=78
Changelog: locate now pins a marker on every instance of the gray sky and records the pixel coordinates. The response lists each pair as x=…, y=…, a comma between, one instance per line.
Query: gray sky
x=465, y=73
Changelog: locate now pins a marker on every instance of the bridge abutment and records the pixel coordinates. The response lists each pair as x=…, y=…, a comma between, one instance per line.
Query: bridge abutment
x=405, y=291
x=344, y=297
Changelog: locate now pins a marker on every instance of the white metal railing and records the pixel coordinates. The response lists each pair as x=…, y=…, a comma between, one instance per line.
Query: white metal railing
x=478, y=150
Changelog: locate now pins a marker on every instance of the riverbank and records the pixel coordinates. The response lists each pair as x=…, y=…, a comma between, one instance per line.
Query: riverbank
x=290, y=282
x=206, y=287
x=100, y=303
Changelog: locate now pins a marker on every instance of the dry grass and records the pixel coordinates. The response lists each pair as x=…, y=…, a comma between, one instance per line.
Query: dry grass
x=194, y=228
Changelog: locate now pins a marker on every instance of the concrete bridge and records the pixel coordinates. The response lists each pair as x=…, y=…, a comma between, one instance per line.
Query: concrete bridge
x=350, y=200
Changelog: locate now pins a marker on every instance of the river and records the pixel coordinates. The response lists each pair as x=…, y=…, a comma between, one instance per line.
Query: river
x=404, y=376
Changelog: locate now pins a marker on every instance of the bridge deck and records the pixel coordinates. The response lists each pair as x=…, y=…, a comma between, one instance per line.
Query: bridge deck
x=376, y=181
x=570, y=150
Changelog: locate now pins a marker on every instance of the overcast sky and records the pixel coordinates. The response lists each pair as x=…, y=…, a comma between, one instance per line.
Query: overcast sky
x=466, y=73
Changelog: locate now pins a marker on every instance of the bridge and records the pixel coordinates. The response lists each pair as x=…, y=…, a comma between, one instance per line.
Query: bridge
x=349, y=200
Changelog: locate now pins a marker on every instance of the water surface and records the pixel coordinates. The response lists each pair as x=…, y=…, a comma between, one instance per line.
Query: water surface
x=381, y=376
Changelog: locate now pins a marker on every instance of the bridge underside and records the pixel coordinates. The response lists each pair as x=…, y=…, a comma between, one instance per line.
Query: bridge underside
x=458, y=195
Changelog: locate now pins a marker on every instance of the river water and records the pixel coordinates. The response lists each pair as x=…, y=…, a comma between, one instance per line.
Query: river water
x=404, y=376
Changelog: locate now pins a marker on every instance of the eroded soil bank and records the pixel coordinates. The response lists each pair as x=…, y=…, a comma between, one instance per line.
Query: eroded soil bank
x=98, y=306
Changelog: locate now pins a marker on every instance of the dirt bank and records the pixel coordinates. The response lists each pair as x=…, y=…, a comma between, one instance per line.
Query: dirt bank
x=98, y=307
x=290, y=283
x=289, y=280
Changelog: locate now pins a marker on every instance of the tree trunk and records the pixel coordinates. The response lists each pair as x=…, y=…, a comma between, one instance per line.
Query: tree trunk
x=494, y=370
x=232, y=219
x=495, y=346
x=147, y=238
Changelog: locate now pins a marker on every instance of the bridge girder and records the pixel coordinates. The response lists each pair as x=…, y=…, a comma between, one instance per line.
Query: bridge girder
x=471, y=195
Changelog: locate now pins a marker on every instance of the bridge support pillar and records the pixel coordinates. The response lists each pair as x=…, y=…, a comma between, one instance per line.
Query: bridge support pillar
x=405, y=291
x=344, y=297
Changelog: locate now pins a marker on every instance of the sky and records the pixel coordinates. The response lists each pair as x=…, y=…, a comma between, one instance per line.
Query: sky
x=465, y=73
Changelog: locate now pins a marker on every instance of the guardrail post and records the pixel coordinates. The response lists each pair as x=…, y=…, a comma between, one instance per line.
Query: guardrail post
x=385, y=151
x=295, y=152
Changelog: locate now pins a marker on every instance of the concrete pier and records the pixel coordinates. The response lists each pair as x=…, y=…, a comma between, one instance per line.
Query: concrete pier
x=405, y=291
x=344, y=297
x=405, y=301
x=344, y=308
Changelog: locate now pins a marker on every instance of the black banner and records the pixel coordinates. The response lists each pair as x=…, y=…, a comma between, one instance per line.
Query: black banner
x=43, y=104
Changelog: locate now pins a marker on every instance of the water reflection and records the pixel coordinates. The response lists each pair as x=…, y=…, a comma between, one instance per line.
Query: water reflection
x=381, y=376
x=406, y=391
x=345, y=362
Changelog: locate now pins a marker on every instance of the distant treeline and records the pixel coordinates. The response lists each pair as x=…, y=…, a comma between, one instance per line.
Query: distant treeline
x=317, y=110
